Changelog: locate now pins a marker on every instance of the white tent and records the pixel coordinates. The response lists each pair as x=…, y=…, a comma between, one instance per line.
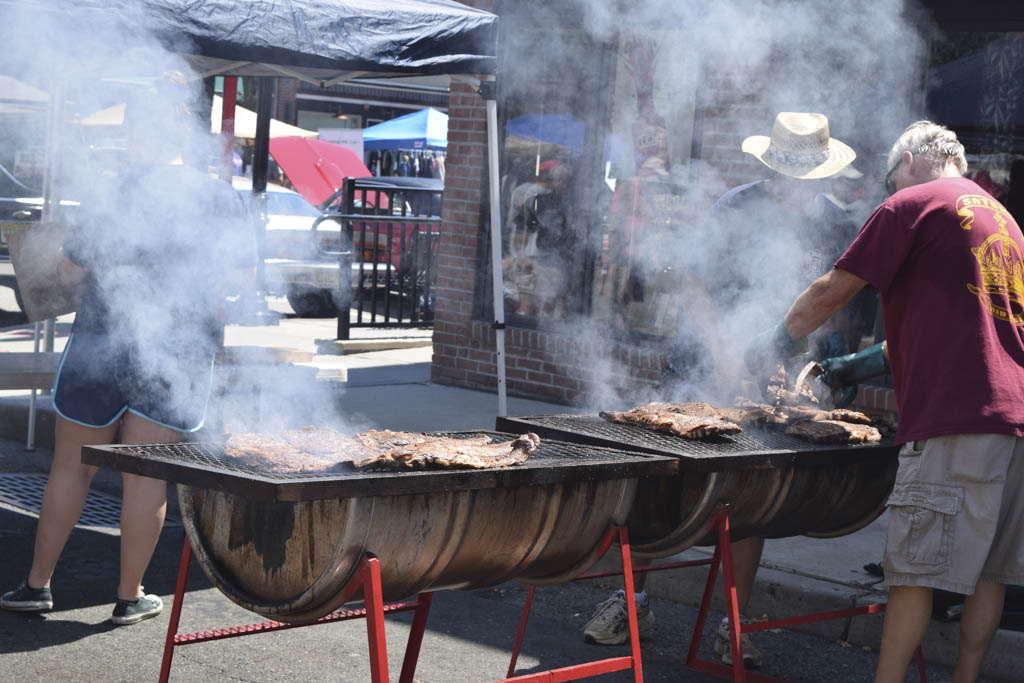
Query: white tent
x=245, y=121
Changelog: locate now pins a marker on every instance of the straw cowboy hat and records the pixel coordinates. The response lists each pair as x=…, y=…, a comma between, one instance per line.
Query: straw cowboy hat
x=800, y=147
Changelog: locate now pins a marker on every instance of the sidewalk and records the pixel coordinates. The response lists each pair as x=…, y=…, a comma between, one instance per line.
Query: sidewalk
x=390, y=388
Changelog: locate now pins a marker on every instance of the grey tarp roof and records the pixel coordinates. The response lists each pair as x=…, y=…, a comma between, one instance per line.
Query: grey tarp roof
x=318, y=40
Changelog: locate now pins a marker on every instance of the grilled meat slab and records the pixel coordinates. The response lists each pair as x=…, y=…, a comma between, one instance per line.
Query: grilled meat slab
x=321, y=441
x=762, y=414
x=405, y=450
x=679, y=424
x=833, y=431
x=271, y=453
x=322, y=449
x=694, y=409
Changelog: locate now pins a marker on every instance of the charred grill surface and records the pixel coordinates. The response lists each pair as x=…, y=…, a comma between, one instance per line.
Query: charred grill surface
x=204, y=465
x=775, y=484
x=753, y=447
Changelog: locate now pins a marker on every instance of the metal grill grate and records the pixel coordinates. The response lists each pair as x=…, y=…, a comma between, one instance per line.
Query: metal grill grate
x=25, y=492
x=204, y=465
x=752, y=446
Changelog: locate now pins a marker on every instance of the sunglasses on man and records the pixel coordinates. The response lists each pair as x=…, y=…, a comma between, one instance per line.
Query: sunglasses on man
x=890, y=184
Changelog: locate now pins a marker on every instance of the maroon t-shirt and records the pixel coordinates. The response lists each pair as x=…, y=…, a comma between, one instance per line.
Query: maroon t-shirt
x=948, y=260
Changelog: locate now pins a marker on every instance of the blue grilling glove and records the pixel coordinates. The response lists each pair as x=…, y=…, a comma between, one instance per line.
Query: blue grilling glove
x=843, y=371
x=846, y=372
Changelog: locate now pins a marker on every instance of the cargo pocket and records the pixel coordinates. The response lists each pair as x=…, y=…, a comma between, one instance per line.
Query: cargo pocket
x=921, y=524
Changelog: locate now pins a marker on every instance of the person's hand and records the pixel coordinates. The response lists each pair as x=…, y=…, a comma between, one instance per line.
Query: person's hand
x=771, y=347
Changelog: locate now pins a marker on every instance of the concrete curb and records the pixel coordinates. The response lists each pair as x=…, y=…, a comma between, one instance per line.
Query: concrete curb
x=781, y=593
x=336, y=347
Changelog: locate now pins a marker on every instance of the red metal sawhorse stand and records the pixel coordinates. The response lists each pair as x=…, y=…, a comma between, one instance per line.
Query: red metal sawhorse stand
x=738, y=672
x=367, y=578
x=600, y=666
x=722, y=556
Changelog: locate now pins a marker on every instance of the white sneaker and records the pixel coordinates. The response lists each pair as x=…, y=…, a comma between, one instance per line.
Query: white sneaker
x=610, y=623
x=723, y=647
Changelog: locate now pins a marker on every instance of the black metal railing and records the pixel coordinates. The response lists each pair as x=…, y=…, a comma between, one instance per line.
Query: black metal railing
x=390, y=228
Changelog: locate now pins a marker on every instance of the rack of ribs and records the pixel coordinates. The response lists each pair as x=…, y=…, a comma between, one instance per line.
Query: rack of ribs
x=322, y=449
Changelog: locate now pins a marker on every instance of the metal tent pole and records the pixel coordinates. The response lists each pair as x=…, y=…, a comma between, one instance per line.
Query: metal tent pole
x=51, y=203
x=487, y=91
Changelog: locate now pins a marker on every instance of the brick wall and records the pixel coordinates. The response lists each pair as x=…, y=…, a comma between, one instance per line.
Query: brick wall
x=730, y=115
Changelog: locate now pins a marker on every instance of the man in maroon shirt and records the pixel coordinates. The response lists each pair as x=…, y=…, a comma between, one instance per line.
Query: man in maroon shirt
x=948, y=260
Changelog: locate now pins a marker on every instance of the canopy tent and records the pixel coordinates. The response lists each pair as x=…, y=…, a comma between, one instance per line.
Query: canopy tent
x=245, y=121
x=558, y=130
x=964, y=94
x=424, y=129
x=20, y=98
x=320, y=41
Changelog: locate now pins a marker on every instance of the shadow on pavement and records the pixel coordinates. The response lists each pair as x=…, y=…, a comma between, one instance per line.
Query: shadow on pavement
x=84, y=584
x=49, y=630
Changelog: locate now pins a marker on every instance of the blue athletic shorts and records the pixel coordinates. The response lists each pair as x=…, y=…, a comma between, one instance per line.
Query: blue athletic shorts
x=99, y=378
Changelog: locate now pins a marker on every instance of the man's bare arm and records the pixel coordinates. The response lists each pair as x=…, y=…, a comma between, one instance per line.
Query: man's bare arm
x=820, y=301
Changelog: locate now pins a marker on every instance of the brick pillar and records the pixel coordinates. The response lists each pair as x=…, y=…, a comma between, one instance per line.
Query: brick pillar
x=465, y=196
x=287, y=110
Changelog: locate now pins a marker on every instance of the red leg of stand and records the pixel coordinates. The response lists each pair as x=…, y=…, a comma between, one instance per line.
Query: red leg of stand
x=705, y=604
x=520, y=632
x=375, y=621
x=634, y=629
x=920, y=665
x=172, y=624
x=732, y=610
x=412, y=648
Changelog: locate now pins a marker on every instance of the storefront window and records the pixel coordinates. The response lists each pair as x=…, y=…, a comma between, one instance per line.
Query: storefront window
x=598, y=128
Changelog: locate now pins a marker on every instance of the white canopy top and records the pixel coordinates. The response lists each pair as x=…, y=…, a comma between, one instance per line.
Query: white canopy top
x=245, y=121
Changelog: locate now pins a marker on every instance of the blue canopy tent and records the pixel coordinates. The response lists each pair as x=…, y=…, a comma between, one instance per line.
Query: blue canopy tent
x=424, y=129
x=556, y=129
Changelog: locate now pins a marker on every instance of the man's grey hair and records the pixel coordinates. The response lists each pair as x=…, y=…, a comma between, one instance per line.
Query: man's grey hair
x=931, y=141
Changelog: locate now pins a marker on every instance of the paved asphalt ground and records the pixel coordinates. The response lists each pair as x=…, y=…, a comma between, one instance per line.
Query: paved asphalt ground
x=469, y=633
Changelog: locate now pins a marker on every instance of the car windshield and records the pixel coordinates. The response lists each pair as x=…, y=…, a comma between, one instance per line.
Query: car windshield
x=288, y=204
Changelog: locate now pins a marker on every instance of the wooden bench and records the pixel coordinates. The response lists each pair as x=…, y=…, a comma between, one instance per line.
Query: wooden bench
x=29, y=370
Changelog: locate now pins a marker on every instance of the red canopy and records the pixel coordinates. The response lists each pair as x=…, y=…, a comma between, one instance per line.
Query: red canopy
x=316, y=168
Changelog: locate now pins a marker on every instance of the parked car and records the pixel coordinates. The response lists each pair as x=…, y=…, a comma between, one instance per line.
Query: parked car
x=294, y=246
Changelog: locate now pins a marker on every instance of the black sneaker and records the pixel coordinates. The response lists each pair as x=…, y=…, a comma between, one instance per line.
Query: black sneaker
x=25, y=599
x=133, y=611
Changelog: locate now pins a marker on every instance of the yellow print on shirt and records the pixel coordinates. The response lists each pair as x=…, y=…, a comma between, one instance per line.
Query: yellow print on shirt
x=999, y=258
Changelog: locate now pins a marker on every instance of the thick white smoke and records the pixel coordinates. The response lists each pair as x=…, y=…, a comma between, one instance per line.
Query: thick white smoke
x=860, y=63
x=103, y=74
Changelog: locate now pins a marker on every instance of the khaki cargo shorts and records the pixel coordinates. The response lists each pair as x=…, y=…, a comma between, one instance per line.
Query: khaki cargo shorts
x=956, y=513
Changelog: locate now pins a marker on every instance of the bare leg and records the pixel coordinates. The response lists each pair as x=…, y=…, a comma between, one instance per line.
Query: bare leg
x=143, y=505
x=978, y=624
x=906, y=620
x=65, y=494
x=746, y=557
